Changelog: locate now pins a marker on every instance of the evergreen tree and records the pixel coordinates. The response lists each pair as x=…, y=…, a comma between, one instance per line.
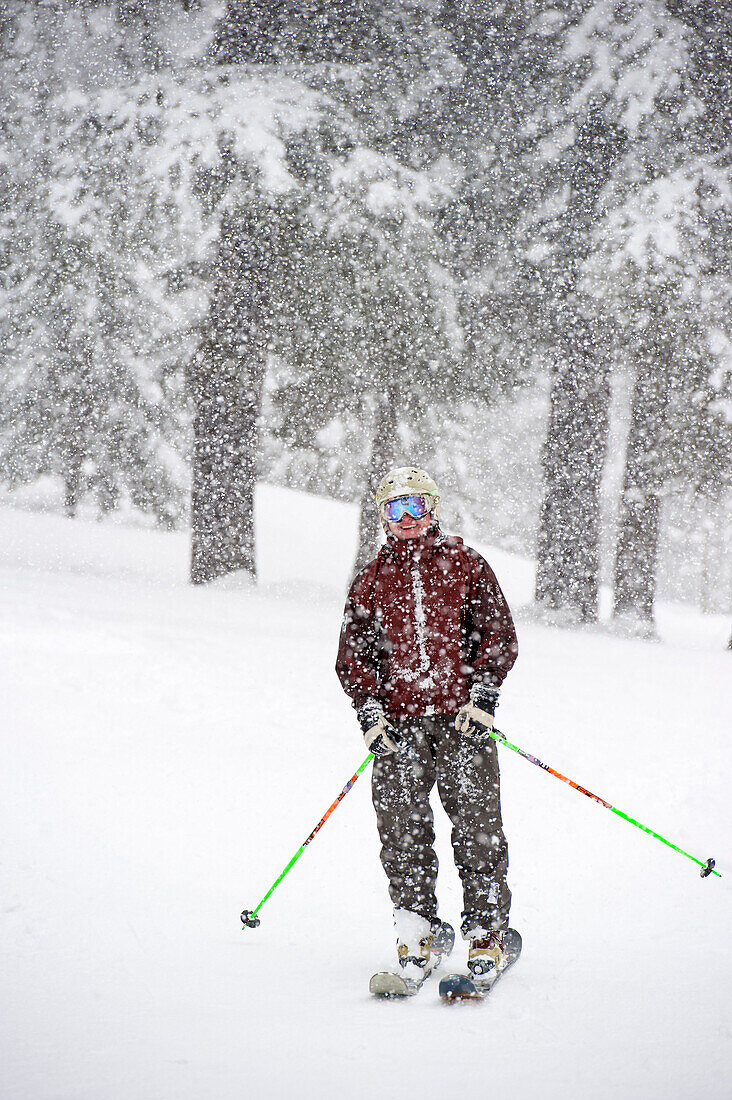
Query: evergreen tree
x=368, y=318
x=226, y=382
x=666, y=302
x=615, y=128
x=363, y=307
x=675, y=440
x=660, y=271
x=81, y=400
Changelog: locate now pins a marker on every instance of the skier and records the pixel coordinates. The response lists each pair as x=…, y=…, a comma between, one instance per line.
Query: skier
x=426, y=642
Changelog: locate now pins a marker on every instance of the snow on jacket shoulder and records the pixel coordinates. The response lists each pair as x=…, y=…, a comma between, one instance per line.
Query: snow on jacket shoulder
x=423, y=622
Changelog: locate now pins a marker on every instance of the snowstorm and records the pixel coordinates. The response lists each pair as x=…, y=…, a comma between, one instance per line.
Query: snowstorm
x=424, y=307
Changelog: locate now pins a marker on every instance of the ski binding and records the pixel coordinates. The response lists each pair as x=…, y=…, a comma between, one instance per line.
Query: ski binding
x=476, y=987
x=392, y=984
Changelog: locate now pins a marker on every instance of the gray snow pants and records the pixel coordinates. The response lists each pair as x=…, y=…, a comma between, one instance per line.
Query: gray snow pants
x=467, y=777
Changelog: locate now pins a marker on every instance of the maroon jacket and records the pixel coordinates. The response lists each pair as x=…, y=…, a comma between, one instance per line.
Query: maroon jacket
x=423, y=622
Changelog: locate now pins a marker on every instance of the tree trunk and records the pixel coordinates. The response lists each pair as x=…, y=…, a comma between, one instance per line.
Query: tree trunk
x=382, y=458
x=224, y=475
x=637, y=545
x=636, y=554
x=226, y=380
x=72, y=488
x=574, y=454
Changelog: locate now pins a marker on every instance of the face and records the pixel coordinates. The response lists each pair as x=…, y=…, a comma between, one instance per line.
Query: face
x=409, y=528
x=411, y=516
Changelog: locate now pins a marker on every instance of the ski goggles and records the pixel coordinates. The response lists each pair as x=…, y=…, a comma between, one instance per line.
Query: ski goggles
x=417, y=506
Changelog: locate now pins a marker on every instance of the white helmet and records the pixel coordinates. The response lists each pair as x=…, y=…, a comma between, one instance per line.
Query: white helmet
x=403, y=482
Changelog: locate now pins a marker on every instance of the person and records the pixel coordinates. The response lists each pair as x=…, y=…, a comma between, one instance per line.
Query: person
x=426, y=642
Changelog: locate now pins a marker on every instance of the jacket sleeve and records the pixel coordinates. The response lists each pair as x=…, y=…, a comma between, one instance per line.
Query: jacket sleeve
x=492, y=640
x=357, y=663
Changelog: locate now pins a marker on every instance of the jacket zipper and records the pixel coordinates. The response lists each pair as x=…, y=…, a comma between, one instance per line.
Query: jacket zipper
x=420, y=622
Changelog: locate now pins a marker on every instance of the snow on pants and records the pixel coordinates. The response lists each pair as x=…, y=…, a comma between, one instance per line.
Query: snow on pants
x=466, y=772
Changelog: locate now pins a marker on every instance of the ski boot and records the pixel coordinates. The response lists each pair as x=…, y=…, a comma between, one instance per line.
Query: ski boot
x=421, y=945
x=486, y=953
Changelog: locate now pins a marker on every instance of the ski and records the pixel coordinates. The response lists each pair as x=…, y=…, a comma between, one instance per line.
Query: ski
x=392, y=984
x=473, y=987
x=388, y=983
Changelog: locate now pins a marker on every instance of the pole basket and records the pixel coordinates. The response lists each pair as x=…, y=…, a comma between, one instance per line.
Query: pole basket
x=708, y=868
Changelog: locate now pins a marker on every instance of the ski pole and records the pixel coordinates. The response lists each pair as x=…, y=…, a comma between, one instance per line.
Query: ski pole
x=707, y=868
x=249, y=916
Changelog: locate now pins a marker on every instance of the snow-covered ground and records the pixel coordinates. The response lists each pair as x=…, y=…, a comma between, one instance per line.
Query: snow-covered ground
x=167, y=749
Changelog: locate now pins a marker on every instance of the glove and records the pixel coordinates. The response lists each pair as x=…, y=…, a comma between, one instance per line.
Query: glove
x=380, y=736
x=475, y=719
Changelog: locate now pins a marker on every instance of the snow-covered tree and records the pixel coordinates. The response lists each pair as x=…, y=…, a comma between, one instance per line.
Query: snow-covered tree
x=368, y=322
x=382, y=218
x=361, y=307
x=659, y=274
x=89, y=394
x=568, y=544
x=665, y=293
x=622, y=71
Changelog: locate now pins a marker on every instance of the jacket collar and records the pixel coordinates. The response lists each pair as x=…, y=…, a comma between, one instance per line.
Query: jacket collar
x=404, y=550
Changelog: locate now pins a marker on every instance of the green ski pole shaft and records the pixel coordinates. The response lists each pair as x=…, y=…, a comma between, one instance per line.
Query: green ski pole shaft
x=249, y=916
x=707, y=868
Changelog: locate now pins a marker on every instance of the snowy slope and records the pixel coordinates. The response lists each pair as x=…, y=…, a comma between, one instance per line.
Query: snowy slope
x=165, y=752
